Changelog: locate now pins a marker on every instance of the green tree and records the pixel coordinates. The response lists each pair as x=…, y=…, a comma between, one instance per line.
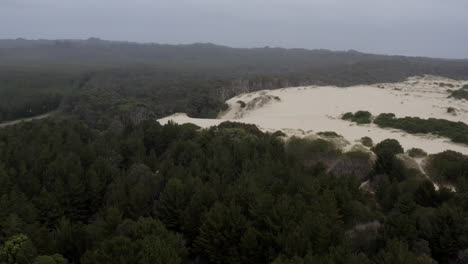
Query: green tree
x=395, y=252
x=53, y=259
x=221, y=233
x=17, y=250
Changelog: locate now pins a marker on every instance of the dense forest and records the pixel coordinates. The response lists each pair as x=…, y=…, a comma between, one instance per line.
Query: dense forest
x=229, y=194
x=103, y=183
x=106, y=83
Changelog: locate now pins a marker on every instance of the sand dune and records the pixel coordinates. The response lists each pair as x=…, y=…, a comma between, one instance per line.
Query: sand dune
x=308, y=110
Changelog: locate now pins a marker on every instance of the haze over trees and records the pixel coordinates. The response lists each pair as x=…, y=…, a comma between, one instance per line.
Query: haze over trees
x=104, y=82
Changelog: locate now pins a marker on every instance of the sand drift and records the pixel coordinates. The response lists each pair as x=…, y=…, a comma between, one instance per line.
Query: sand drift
x=303, y=111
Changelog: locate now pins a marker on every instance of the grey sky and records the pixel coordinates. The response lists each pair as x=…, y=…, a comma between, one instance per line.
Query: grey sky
x=437, y=28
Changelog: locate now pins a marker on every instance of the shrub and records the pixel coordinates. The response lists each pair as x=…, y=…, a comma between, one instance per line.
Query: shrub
x=460, y=94
x=279, y=134
x=242, y=103
x=386, y=152
x=347, y=116
x=448, y=167
x=360, y=117
x=367, y=141
x=417, y=153
x=328, y=134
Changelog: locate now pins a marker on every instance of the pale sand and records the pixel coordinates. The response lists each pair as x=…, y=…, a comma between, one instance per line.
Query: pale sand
x=307, y=110
x=29, y=119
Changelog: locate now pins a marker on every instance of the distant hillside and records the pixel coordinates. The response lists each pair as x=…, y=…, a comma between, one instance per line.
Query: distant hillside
x=100, y=81
x=205, y=55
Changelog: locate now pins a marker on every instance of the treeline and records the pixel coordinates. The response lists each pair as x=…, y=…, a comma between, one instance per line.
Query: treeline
x=229, y=194
x=108, y=83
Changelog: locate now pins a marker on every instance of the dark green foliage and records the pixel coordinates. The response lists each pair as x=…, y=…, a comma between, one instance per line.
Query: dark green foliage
x=417, y=153
x=367, y=141
x=26, y=93
x=328, y=134
x=347, y=116
x=360, y=117
x=228, y=194
x=386, y=152
x=17, y=250
x=279, y=134
x=460, y=93
x=449, y=167
x=456, y=131
x=451, y=110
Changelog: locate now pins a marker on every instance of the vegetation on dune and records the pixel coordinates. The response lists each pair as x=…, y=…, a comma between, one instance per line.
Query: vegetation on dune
x=460, y=94
x=417, y=153
x=330, y=134
x=449, y=167
x=456, y=131
x=360, y=117
x=367, y=141
x=451, y=110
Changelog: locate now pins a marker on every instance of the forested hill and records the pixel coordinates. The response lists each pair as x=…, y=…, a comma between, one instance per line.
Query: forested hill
x=104, y=82
x=102, y=52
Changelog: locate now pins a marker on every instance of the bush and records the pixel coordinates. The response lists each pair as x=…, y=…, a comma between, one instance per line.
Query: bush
x=347, y=116
x=279, y=134
x=386, y=152
x=242, y=103
x=451, y=110
x=360, y=117
x=448, y=167
x=367, y=141
x=460, y=94
x=417, y=153
x=328, y=134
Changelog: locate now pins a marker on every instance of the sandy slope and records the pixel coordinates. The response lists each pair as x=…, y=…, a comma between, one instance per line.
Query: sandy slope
x=308, y=110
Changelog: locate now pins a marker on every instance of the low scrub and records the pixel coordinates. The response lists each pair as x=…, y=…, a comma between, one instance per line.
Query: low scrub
x=367, y=141
x=456, y=131
x=460, y=94
x=360, y=117
x=330, y=134
x=417, y=153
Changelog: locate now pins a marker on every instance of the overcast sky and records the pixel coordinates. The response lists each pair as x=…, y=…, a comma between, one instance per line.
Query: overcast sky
x=436, y=28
